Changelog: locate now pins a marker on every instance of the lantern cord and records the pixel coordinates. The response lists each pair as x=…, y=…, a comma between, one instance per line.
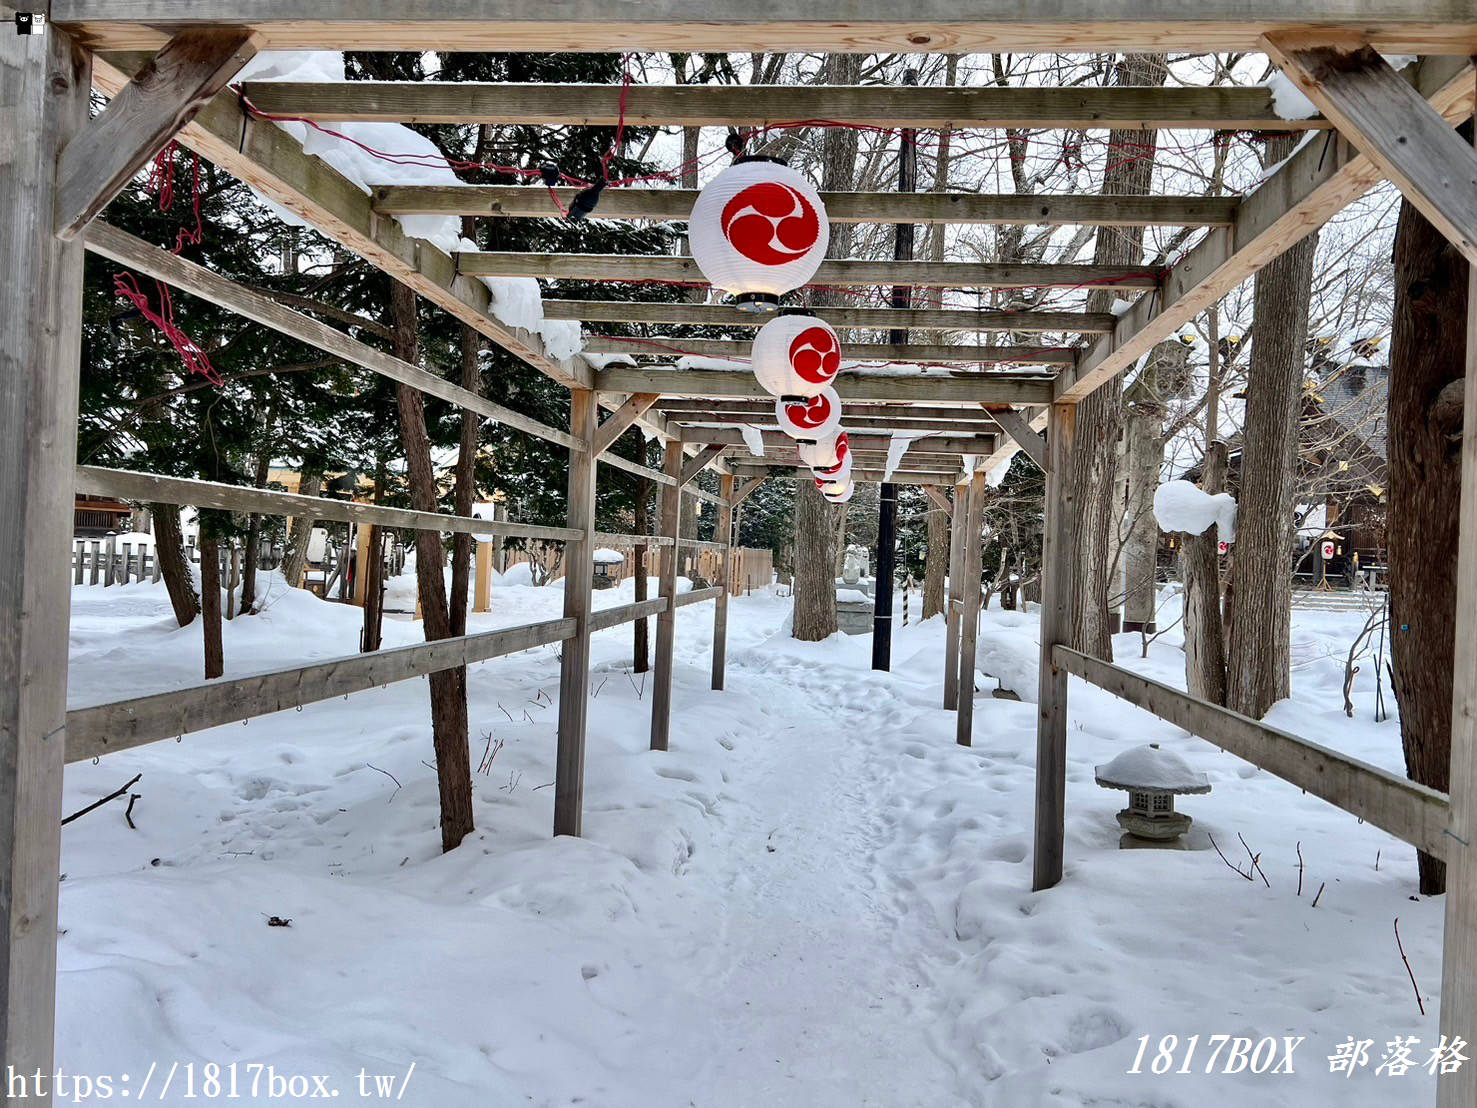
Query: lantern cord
x=161, y=182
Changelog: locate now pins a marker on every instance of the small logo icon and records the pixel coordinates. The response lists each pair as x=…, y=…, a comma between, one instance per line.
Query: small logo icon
x=30, y=23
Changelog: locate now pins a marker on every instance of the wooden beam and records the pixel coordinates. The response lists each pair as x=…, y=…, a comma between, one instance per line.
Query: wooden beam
x=109, y=242
x=734, y=406
x=1321, y=178
x=125, y=724
x=45, y=81
x=969, y=608
x=916, y=474
x=704, y=458
x=697, y=596
x=675, y=205
x=934, y=275
x=1018, y=427
x=1411, y=812
x=664, y=346
x=870, y=26
x=1459, y=953
x=746, y=488
x=778, y=442
x=621, y=420
x=1391, y=123
x=855, y=385
x=684, y=424
x=274, y=164
x=939, y=319
x=143, y=117
x=627, y=613
x=666, y=621
x=940, y=500
x=1057, y=606
x=123, y=484
x=574, y=659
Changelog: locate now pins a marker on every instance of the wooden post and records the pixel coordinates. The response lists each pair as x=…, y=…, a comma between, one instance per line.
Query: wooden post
x=482, y=584
x=574, y=661
x=362, y=535
x=726, y=512
x=158, y=572
x=1459, y=953
x=233, y=581
x=127, y=557
x=46, y=79
x=666, y=620
x=81, y=558
x=969, y=609
x=1056, y=620
x=97, y=562
x=499, y=553
x=110, y=568
x=951, y=606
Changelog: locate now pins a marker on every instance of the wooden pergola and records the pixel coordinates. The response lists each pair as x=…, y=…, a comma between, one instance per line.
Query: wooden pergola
x=165, y=66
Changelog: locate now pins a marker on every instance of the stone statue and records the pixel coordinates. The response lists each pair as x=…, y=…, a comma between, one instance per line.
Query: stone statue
x=854, y=564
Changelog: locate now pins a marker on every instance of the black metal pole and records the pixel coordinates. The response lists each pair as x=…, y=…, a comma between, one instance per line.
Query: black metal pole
x=902, y=297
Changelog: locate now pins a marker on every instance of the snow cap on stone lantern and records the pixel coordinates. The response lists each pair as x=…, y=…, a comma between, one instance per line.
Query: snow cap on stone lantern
x=758, y=231
x=812, y=420
x=795, y=355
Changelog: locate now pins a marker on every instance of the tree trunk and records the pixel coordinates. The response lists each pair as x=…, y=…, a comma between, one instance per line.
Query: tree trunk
x=169, y=548
x=641, y=651
x=210, y=601
x=374, y=590
x=1258, y=655
x=1163, y=376
x=448, y=687
x=1205, y=644
x=816, y=549
x=1095, y=455
x=1427, y=365
x=815, y=558
x=935, y=562
x=302, y=531
x=253, y=538
x=465, y=489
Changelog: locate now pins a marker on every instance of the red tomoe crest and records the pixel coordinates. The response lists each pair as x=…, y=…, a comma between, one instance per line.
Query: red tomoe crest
x=810, y=414
x=771, y=223
x=815, y=355
x=843, y=448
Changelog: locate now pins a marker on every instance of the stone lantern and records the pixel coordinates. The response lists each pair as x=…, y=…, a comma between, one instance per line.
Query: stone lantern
x=607, y=568
x=1152, y=778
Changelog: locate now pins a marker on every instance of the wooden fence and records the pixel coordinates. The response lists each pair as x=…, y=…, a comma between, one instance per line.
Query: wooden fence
x=753, y=567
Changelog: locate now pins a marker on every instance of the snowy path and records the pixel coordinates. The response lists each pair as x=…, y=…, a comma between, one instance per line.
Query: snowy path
x=815, y=899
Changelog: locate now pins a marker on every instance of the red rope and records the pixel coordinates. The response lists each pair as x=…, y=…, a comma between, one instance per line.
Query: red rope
x=161, y=181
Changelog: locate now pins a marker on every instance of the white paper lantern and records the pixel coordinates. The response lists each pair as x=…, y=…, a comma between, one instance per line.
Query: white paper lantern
x=846, y=490
x=484, y=511
x=841, y=467
x=758, y=231
x=826, y=452
x=796, y=355
x=814, y=420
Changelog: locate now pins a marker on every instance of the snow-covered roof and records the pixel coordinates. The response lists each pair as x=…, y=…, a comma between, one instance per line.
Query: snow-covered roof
x=1148, y=767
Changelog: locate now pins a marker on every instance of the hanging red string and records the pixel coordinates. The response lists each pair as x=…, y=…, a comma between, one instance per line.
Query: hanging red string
x=161, y=182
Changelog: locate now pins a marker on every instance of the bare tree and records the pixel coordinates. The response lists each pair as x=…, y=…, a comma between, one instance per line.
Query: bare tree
x=1259, y=649
x=169, y=548
x=310, y=483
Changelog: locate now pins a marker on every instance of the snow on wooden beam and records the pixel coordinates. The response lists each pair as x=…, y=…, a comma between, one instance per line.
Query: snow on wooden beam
x=935, y=387
x=144, y=116
x=1207, y=108
x=670, y=204
x=1322, y=177
x=863, y=26
x=946, y=275
x=1395, y=128
x=1409, y=811
x=859, y=443
x=124, y=724
x=941, y=319
x=903, y=353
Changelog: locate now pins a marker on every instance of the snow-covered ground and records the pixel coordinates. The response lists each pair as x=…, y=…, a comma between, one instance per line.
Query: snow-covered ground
x=814, y=899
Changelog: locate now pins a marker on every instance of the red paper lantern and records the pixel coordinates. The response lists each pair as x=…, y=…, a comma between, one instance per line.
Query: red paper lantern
x=812, y=420
x=757, y=231
x=796, y=355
